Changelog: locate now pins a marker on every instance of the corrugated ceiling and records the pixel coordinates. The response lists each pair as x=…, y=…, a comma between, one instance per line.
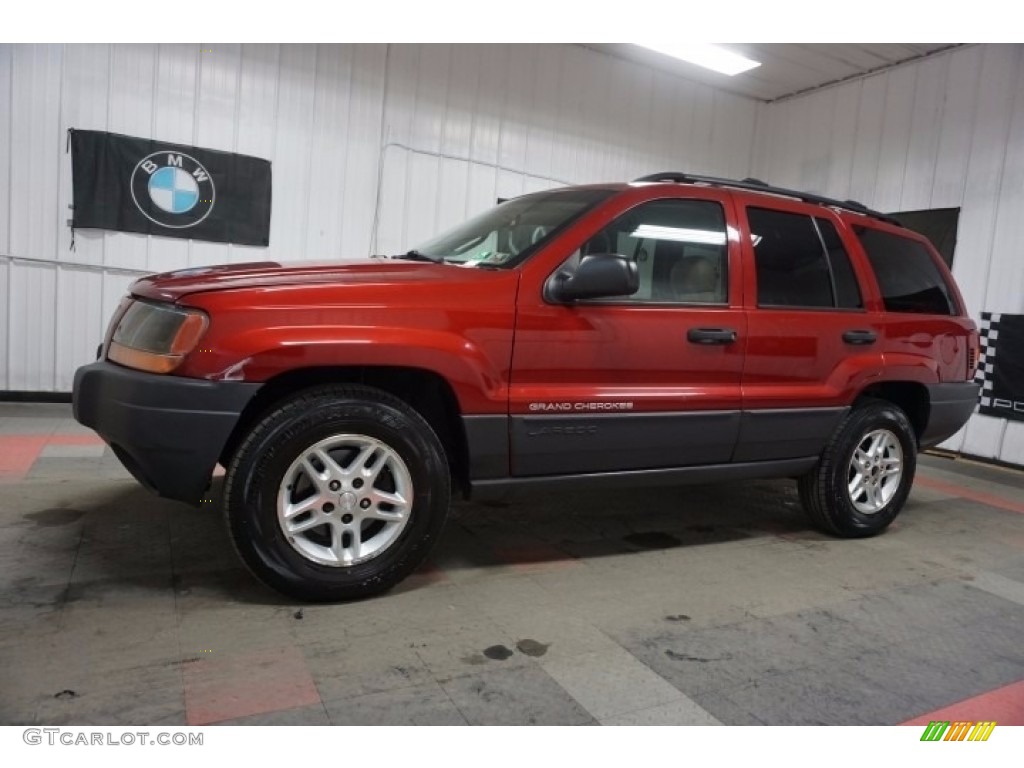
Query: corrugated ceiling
x=786, y=68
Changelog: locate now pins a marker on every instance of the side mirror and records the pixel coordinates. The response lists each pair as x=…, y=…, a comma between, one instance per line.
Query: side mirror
x=598, y=276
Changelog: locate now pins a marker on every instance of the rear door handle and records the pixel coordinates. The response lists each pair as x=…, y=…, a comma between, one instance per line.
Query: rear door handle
x=711, y=335
x=860, y=337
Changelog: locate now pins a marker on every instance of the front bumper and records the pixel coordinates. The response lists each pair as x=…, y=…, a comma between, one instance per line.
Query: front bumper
x=951, y=405
x=168, y=431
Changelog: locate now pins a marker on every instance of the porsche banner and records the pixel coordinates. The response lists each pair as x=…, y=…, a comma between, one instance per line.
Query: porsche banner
x=157, y=188
x=1001, y=366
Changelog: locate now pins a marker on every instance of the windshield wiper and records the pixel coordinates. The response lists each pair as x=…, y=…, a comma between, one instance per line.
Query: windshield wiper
x=415, y=255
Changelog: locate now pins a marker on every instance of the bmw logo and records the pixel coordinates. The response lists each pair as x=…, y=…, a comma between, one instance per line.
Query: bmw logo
x=172, y=189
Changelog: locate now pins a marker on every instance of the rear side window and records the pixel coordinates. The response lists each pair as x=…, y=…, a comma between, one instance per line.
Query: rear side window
x=907, y=274
x=800, y=262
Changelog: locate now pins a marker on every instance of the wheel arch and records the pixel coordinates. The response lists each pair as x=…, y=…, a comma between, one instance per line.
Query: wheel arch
x=427, y=392
x=912, y=397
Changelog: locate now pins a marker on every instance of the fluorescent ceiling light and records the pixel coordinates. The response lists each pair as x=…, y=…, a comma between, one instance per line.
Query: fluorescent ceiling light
x=705, y=55
x=679, y=234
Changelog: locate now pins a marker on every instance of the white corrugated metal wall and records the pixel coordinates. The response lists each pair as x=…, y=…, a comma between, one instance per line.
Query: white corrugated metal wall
x=373, y=148
x=947, y=131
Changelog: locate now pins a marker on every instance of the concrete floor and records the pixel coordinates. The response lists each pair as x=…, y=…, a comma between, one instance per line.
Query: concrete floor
x=699, y=605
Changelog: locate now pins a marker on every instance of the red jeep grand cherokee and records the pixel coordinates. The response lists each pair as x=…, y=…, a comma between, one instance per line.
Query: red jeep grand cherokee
x=677, y=329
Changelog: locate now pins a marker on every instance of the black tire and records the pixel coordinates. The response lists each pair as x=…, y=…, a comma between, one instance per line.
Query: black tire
x=257, y=471
x=824, y=490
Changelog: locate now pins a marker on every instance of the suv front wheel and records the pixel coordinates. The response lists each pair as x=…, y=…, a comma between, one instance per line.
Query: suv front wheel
x=337, y=493
x=865, y=472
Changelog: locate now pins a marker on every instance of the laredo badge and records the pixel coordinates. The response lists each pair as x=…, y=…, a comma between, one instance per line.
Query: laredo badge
x=172, y=189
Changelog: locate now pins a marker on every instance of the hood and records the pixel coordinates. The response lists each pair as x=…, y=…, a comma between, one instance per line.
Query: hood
x=171, y=286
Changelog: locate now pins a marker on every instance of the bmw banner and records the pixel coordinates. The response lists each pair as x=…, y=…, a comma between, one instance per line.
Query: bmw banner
x=156, y=188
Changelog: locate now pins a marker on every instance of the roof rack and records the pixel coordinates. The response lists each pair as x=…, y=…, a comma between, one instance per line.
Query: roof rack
x=756, y=185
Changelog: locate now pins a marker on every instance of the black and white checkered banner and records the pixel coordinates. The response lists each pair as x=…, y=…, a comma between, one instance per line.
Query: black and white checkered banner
x=1001, y=366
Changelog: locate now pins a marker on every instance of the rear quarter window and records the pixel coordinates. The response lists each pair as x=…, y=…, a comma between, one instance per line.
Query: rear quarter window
x=907, y=274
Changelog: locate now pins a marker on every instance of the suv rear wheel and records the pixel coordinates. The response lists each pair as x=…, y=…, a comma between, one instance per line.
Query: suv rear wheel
x=865, y=472
x=337, y=493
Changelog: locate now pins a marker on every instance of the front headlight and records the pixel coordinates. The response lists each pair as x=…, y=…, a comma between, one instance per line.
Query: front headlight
x=155, y=337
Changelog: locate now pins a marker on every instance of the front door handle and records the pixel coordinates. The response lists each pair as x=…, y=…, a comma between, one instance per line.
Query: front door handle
x=860, y=337
x=711, y=335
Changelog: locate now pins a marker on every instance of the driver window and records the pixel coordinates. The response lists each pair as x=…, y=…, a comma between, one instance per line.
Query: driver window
x=679, y=247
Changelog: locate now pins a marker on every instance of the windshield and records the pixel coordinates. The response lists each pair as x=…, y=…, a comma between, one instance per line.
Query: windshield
x=506, y=235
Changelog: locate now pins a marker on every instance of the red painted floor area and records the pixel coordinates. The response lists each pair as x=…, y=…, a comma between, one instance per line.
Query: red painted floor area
x=1003, y=705
x=992, y=500
x=19, y=452
x=226, y=686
